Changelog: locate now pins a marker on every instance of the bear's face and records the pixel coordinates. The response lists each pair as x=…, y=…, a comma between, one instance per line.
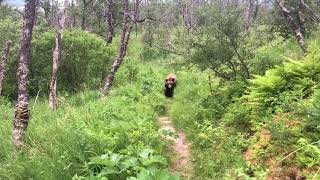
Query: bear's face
x=170, y=82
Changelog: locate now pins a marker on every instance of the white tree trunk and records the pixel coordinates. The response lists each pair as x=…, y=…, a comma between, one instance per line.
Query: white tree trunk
x=296, y=28
x=125, y=36
x=22, y=113
x=56, y=61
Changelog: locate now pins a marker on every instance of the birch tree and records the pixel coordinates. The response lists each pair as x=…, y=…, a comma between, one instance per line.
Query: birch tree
x=297, y=28
x=61, y=17
x=22, y=112
x=110, y=20
x=128, y=23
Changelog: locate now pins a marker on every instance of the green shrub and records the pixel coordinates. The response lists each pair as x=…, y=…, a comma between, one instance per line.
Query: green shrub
x=311, y=125
x=284, y=85
x=150, y=54
x=309, y=155
x=86, y=60
x=238, y=116
x=273, y=54
x=120, y=166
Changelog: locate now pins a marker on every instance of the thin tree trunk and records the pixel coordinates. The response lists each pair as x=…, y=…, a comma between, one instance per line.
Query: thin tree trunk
x=110, y=21
x=125, y=36
x=73, y=23
x=249, y=13
x=186, y=16
x=295, y=27
x=22, y=113
x=57, y=57
x=83, y=20
x=55, y=67
x=3, y=63
x=240, y=58
x=301, y=17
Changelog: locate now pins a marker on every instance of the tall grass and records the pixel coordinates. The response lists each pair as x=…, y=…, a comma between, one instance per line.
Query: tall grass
x=59, y=144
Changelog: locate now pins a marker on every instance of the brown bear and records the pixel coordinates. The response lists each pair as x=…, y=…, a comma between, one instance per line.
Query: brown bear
x=170, y=84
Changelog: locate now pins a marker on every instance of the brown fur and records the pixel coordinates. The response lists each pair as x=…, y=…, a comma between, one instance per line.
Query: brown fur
x=170, y=83
x=171, y=80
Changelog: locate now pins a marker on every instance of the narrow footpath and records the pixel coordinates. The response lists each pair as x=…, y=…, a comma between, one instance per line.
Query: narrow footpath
x=182, y=159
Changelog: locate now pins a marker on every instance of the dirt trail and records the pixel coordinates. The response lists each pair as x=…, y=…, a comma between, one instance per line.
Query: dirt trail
x=182, y=161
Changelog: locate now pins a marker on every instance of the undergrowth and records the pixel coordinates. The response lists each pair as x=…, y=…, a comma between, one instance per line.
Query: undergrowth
x=263, y=128
x=90, y=136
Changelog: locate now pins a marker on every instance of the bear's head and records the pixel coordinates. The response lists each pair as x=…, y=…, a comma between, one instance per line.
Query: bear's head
x=170, y=83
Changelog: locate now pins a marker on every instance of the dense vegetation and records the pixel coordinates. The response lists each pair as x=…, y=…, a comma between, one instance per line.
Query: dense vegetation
x=247, y=95
x=89, y=52
x=68, y=143
x=242, y=129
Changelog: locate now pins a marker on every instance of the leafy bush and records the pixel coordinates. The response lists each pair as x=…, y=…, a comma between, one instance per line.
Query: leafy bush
x=284, y=102
x=284, y=85
x=120, y=166
x=9, y=25
x=86, y=60
x=239, y=118
x=309, y=155
x=151, y=53
x=272, y=54
x=311, y=126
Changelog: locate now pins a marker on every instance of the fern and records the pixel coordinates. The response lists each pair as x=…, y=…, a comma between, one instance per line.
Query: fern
x=295, y=79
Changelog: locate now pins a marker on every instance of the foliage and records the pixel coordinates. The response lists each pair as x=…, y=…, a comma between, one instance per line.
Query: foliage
x=284, y=102
x=155, y=174
x=120, y=166
x=285, y=85
x=238, y=125
x=309, y=156
x=220, y=45
x=238, y=117
x=85, y=62
x=273, y=53
x=10, y=30
x=60, y=144
x=216, y=145
x=223, y=119
x=151, y=53
x=311, y=127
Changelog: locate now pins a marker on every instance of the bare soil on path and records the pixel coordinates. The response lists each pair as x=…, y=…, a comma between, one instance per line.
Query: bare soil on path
x=182, y=159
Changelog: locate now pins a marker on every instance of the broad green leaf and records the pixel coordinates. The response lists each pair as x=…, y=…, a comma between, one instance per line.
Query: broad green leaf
x=109, y=170
x=146, y=153
x=131, y=162
x=154, y=160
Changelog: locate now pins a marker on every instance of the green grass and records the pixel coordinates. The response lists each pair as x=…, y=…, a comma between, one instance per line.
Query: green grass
x=217, y=149
x=218, y=120
x=224, y=123
x=59, y=144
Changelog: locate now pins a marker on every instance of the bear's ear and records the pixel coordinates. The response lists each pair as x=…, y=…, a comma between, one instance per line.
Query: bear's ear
x=166, y=80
